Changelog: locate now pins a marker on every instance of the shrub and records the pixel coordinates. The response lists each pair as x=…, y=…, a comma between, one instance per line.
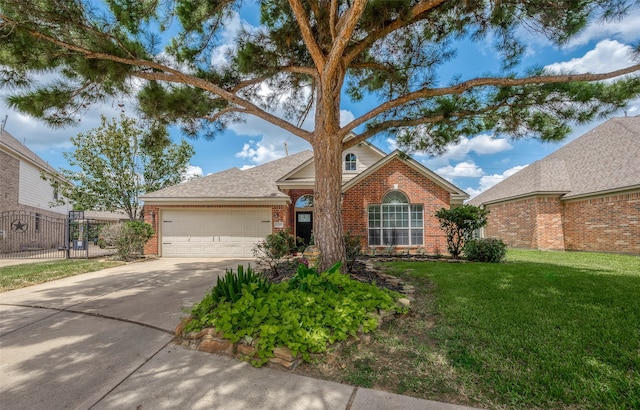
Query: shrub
x=317, y=309
x=459, y=223
x=485, y=250
x=109, y=234
x=131, y=238
x=274, y=247
x=231, y=286
x=353, y=245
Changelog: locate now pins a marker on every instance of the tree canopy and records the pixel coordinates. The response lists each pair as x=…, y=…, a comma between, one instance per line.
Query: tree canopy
x=117, y=163
x=317, y=53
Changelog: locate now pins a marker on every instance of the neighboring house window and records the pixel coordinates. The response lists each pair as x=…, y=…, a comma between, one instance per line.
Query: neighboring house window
x=396, y=222
x=37, y=228
x=55, y=194
x=350, y=162
x=305, y=201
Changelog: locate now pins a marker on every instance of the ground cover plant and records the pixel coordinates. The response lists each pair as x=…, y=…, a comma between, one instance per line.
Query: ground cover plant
x=23, y=275
x=541, y=330
x=306, y=313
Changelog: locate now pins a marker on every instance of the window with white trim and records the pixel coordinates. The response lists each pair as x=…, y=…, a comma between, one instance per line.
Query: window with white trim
x=395, y=222
x=350, y=162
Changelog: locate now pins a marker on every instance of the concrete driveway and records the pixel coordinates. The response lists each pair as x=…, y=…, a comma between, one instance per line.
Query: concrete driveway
x=102, y=340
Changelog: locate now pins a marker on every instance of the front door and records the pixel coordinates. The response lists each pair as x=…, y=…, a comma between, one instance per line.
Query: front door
x=304, y=225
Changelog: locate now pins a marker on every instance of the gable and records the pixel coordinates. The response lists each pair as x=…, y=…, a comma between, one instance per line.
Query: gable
x=366, y=155
x=407, y=166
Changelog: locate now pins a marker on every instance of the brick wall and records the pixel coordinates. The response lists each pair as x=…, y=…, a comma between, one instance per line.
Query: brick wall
x=417, y=188
x=531, y=223
x=9, y=182
x=605, y=224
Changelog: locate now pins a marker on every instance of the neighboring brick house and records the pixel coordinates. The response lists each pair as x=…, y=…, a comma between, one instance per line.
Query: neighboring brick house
x=26, y=218
x=21, y=185
x=585, y=196
x=388, y=200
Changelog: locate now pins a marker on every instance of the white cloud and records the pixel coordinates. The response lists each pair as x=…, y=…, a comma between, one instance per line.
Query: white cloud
x=483, y=144
x=193, y=171
x=258, y=152
x=246, y=167
x=625, y=29
x=466, y=169
x=608, y=55
x=487, y=181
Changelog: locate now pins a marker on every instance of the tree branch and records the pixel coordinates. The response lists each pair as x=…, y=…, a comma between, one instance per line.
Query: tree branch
x=417, y=14
x=165, y=73
x=347, y=23
x=481, y=82
x=307, y=34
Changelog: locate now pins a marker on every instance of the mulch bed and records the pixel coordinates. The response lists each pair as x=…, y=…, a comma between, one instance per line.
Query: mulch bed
x=362, y=270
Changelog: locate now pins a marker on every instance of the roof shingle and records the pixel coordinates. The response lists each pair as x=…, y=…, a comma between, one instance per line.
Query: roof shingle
x=256, y=182
x=607, y=158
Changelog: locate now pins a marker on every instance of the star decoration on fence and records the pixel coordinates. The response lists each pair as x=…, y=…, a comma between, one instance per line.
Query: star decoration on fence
x=18, y=226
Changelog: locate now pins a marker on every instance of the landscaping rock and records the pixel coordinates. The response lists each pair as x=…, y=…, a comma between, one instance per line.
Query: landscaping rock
x=216, y=346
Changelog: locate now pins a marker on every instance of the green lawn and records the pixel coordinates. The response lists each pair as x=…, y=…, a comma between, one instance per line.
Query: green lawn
x=20, y=276
x=541, y=330
x=544, y=329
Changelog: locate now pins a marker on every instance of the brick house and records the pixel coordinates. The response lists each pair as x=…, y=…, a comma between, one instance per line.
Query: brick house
x=388, y=200
x=21, y=187
x=585, y=196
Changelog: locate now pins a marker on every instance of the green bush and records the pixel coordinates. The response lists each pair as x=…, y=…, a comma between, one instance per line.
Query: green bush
x=305, y=316
x=353, y=245
x=131, y=237
x=485, y=250
x=274, y=247
x=459, y=223
x=230, y=286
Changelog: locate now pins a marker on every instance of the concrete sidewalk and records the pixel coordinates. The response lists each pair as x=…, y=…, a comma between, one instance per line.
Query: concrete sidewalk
x=103, y=340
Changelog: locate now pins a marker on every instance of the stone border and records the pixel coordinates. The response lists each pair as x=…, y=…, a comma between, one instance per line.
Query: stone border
x=211, y=340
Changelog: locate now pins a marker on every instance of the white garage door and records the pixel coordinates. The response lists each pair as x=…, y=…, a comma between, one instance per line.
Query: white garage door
x=213, y=233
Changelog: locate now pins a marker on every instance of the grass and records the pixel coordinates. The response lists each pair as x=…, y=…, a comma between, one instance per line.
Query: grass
x=542, y=330
x=28, y=274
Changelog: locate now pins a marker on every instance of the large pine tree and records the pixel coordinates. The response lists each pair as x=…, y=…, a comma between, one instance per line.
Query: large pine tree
x=315, y=52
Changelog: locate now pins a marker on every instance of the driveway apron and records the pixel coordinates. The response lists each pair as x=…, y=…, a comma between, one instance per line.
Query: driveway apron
x=102, y=340
x=67, y=343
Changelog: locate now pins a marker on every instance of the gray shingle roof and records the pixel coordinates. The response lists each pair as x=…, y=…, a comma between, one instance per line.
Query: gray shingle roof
x=607, y=158
x=258, y=182
x=17, y=147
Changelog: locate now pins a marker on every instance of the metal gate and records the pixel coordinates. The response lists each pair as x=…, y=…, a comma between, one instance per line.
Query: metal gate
x=31, y=235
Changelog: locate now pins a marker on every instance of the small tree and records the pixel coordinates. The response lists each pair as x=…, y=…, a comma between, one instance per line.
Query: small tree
x=459, y=223
x=353, y=245
x=131, y=239
x=116, y=163
x=274, y=247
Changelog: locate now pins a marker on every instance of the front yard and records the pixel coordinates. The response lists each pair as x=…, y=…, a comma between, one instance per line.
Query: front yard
x=28, y=274
x=542, y=330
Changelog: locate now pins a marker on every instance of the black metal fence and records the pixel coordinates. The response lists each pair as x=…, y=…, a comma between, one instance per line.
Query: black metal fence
x=31, y=235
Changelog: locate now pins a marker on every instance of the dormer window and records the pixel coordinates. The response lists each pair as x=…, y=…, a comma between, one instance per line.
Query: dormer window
x=350, y=162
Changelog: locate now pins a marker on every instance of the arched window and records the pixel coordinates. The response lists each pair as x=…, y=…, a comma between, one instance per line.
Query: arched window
x=396, y=222
x=350, y=162
x=305, y=201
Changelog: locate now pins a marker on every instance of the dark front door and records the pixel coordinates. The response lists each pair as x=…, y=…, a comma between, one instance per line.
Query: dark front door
x=304, y=225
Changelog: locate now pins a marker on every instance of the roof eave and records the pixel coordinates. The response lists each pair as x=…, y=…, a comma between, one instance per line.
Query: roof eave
x=280, y=200
x=523, y=196
x=602, y=193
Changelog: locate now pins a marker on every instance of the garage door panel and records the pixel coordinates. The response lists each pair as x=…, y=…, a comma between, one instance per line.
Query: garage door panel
x=213, y=233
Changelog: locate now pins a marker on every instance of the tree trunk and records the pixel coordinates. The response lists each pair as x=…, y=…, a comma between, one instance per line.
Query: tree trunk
x=327, y=150
x=327, y=206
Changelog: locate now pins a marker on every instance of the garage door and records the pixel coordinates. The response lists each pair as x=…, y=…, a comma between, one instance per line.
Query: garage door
x=214, y=233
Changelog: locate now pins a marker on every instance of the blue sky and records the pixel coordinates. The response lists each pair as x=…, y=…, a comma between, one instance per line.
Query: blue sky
x=474, y=164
